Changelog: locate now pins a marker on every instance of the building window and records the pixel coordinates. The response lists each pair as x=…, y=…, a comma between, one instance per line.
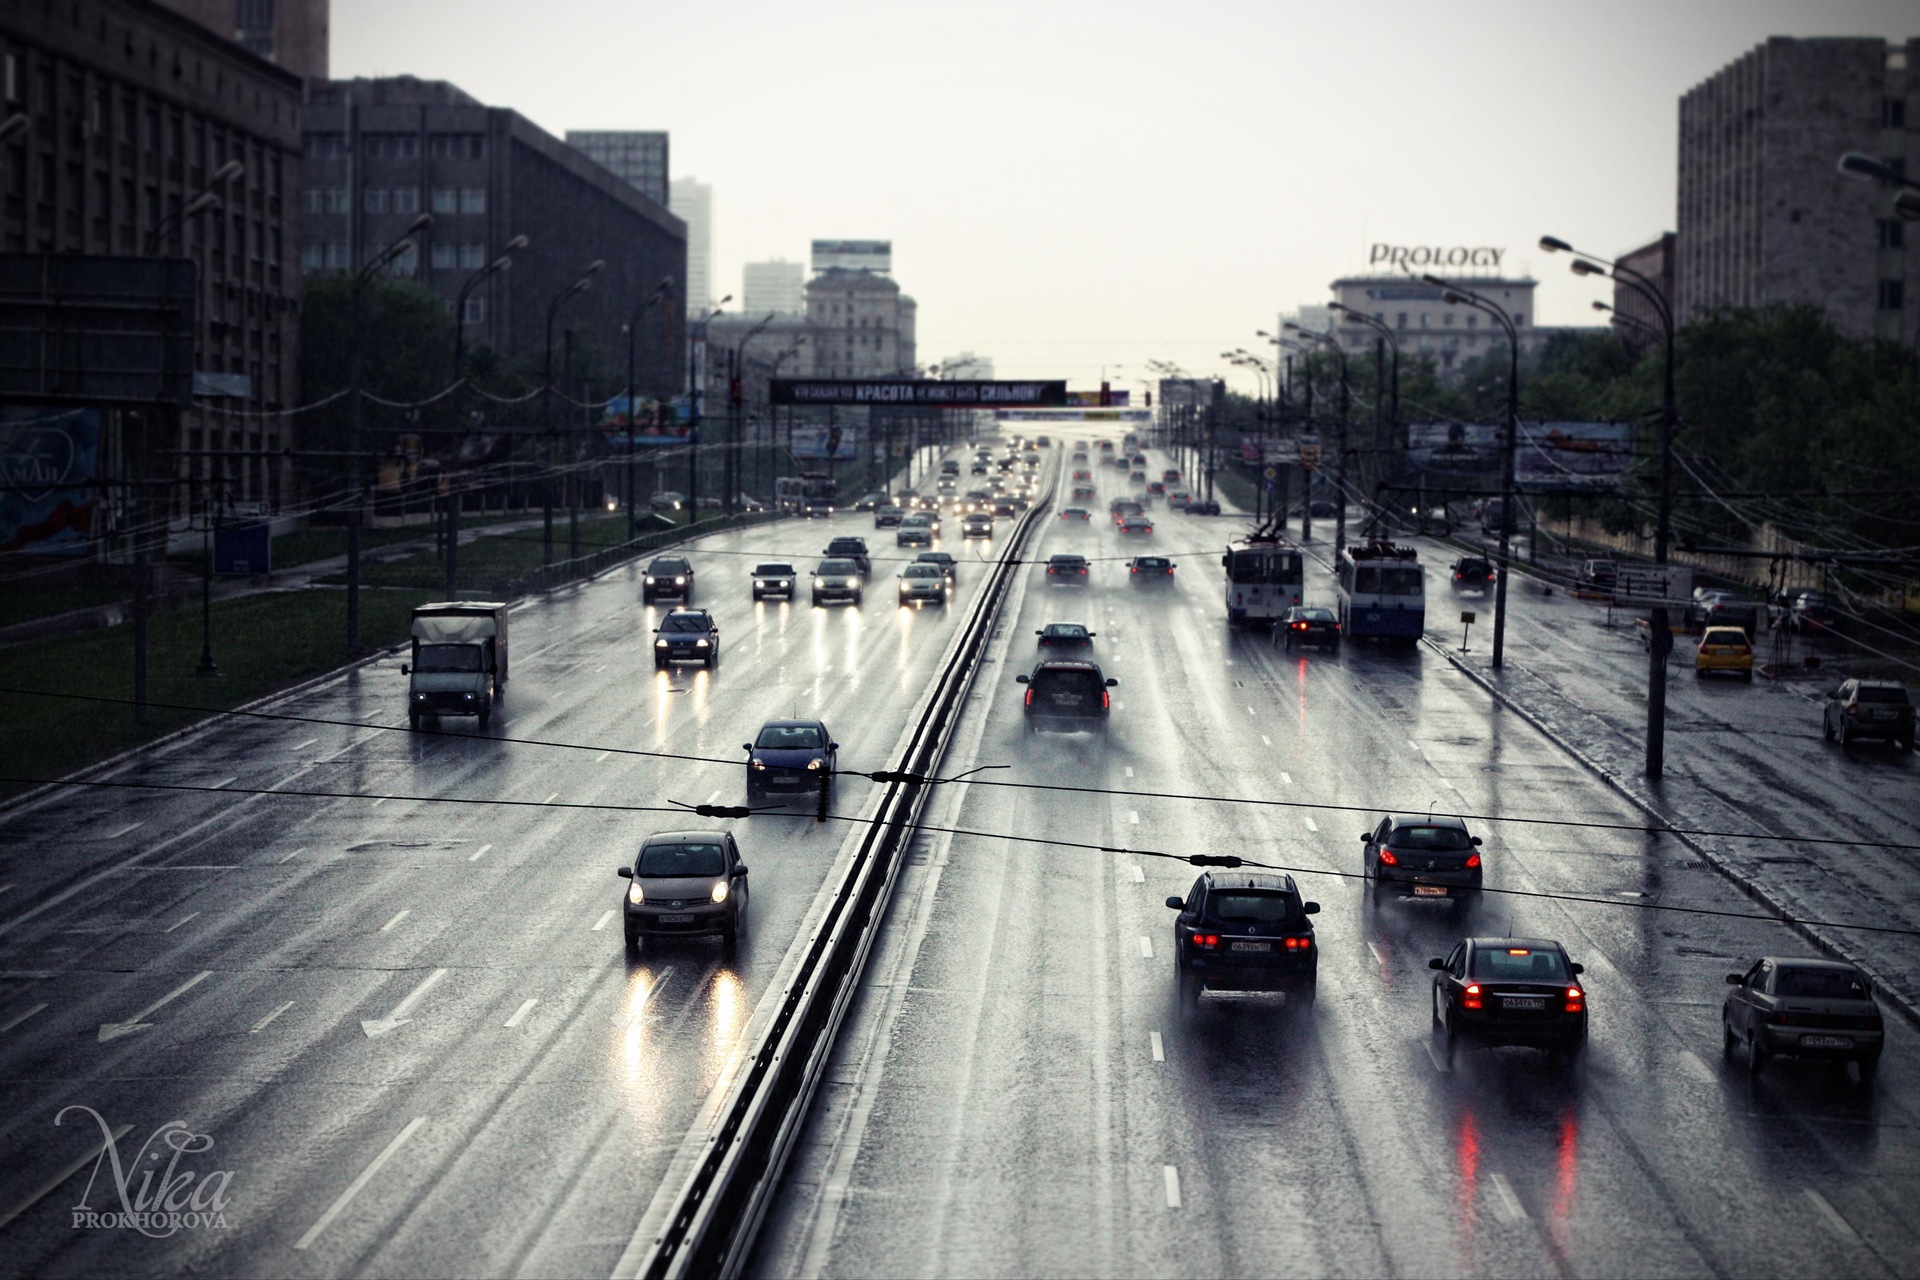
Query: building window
x=1403, y=320
x=1893, y=113
x=476, y=311
x=446, y=200
x=313, y=200
x=444, y=258
x=1519, y=319
x=1893, y=295
x=326, y=146
x=12, y=78
x=312, y=256
x=374, y=200
x=473, y=200
x=391, y=146
x=473, y=256
x=339, y=200
x=1893, y=234
x=337, y=255
x=406, y=199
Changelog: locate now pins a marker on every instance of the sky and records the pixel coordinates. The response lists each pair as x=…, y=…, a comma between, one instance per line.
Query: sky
x=1076, y=188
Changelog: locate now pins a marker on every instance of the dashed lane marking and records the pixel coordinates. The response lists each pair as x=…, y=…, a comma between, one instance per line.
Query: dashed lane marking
x=260, y=1026
x=296, y=853
x=1286, y=777
x=182, y=920
x=302, y=746
x=1249, y=710
x=602, y=922
x=398, y=916
x=1841, y=1227
x=1506, y=1205
x=1159, y=1050
x=1139, y=876
x=215, y=786
x=19, y=1018
x=525, y=1008
x=367, y=1175
x=602, y=756
x=1146, y=948
x=479, y=853
x=1377, y=957
x=1133, y=818
x=1311, y=824
x=1265, y=741
x=131, y=826
x=1129, y=769
x=377, y=803
x=714, y=796
x=1172, y=1178
x=550, y=799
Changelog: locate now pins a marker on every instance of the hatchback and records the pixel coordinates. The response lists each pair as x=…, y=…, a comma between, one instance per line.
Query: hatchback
x=789, y=756
x=1065, y=635
x=1067, y=697
x=1147, y=570
x=1066, y=571
x=685, y=884
x=1802, y=1008
x=1490, y=992
x=1242, y=931
x=837, y=580
x=1422, y=857
x=1136, y=526
x=1306, y=624
x=1724, y=649
x=1869, y=709
x=923, y=584
x=977, y=525
x=948, y=565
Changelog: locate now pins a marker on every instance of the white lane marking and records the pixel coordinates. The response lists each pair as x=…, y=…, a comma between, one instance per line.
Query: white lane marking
x=1139, y=876
x=1249, y=712
x=380, y=1026
x=377, y=803
x=1172, y=1177
x=1159, y=1049
x=302, y=746
x=6, y=888
x=1448, y=785
x=1146, y=947
x=1413, y=744
x=1129, y=769
x=114, y=1030
x=1133, y=817
x=602, y=756
x=296, y=853
x=366, y=1175
x=1506, y=1205
x=1695, y=1067
x=259, y=1026
x=398, y=916
x=602, y=667
x=19, y=1018
x=601, y=923
x=131, y=826
x=1286, y=777
x=182, y=920
x=479, y=853
x=1377, y=957
x=1265, y=741
x=93, y=1153
x=550, y=799
x=1841, y=1227
x=223, y=782
x=714, y=796
x=1311, y=824
x=526, y=1007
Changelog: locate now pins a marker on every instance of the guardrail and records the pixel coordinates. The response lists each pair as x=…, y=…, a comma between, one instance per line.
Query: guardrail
x=561, y=572
x=716, y=1213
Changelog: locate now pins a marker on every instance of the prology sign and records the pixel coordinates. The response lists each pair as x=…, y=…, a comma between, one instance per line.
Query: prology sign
x=1400, y=255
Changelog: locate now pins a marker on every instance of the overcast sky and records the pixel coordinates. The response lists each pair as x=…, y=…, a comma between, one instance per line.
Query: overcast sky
x=1070, y=184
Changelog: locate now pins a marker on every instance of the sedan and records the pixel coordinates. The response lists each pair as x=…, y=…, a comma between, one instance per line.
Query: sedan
x=790, y=756
x=670, y=577
x=773, y=580
x=1203, y=507
x=977, y=525
x=685, y=884
x=870, y=501
x=1079, y=515
x=1178, y=499
x=888, y=517
x=1067, y=571
x=948, y=565
x=1306, y=624
x=1802, y=1008
x=1510, y=991
x=923, y=584
x=1143, y=570
x=1426, y=857
x=1065, y=635
x=686, y=635
x=837, y=580
x=1082, y=474
x=1136, y=526
x=1084, y=493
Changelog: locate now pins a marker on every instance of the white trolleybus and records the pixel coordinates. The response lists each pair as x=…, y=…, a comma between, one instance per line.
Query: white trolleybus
x=1263, y=581
x=1382, y=591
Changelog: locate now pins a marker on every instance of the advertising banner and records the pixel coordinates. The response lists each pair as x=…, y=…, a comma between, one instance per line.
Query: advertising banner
x=853, y=255
x=48, y=460
x=1132, y=417
x=660, y=422
x=818, y=444
x=958, y=394
x=1117, y=398
x=1572, y=455
x=1454, y=446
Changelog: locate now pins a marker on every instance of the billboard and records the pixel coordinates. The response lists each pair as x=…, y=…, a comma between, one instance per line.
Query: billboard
x=1178, y=393
x=660, y=421
x=817, y=444
x=954, y=394
x=853, y=255
x=1454, y=446
x=1132, y=417
x=1572, y=455
x=48, y=458
x=1117, y=398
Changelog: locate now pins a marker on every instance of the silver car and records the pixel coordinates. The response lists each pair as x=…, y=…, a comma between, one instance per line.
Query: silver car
x=837, y=580
x=923, y=584
x=1802, y=1008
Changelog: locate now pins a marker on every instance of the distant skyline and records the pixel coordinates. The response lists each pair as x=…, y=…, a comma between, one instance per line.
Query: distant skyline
x=1071, y=185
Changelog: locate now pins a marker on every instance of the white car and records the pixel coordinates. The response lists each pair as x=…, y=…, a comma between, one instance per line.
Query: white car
x=923, y=584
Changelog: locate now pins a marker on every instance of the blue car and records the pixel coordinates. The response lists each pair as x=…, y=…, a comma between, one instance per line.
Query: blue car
x=790, y=757
x=686, y=635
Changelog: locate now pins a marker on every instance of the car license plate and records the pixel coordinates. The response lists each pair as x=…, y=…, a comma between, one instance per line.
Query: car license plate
x=1826, y=1042
x=1536, y=1003
x=1066, y=699
x=1252, y=946
x=1429, y=891
x=681, y=918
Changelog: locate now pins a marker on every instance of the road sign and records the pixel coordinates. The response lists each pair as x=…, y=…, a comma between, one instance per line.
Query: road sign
x=1272, y=474
x=1468, y=617
x=1649, y=586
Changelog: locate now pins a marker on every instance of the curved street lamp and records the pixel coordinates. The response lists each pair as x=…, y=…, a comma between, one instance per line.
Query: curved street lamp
x=696, y=395
x=579, y=286
x=502, y=262
x=736, y=390
x=661, y=292
x=1340, y=457
x=1865, y=168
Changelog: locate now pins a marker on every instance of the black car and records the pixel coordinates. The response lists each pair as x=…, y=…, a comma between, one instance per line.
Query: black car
x=948, y=565
x=686, y=635
x=1065, y=635
x=854, y=549
x=774, y=579
x=1203, y=507
x=1067, y=571
x=1305, y=624
x=1472, y=573
x=790, y=757
x=1510, y=991
x=667, y=578
x=1597, y=575
x=1147, y=570
x=1240, y=931
x=686, y=884
x=1803, y=1008
x=1067, y=696
x=1422, y=857
x=1869, y=709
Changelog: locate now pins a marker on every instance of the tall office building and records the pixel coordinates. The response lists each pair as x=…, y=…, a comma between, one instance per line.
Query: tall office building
x=639, y=158
x=778, y=286
x=692, y=202
x=291, y=34
x=1764, y=216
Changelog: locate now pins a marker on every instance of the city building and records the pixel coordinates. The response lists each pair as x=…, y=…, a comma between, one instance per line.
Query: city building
x=863, y=325
x=1654, y=261
x=382, y=152
x=1425, y=324
x=636, y=157
x=1764, y=217
x=778, y=286
x=134, y=110
x=288, y=33
x=692, y=202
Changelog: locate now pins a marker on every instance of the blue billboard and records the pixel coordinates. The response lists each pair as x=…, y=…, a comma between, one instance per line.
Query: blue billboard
x=48, y=460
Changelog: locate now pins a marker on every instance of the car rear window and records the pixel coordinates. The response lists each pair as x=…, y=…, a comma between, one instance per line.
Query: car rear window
x=665, y=860
x=1071, y=684
x=1314, y=615
x=1520, y=964
x=1820, y=984
x=1251, y=906
x=1439, y=839
x=1067, y=562
x=788, y=737
x=845, y=546
x=1870, y=694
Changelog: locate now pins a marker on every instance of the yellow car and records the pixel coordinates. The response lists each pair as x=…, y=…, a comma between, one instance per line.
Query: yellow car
x=1724, y=649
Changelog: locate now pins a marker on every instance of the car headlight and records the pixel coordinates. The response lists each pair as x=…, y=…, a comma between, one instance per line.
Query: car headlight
x=758, y=763
x=819, y=582
x=817, y=763
x=635, y=894
x=467, y=696
x=649, y=579
x=679, y=582
x=419, y=697
x=701, y=644
x=660, y=644
x=780, y=584
x=720, y=891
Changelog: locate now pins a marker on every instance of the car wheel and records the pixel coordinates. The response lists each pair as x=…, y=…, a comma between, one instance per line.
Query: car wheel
x=1301, y=1001
x=1826, y=727
x=1376, y=891
x=1451, y=1047
x=1903, y=744
x=1846, y=739
x=713, y=660
x=730, y=938
x=486, y=718
x=1747, y=676
x=1435, y=1010
x=1727, y=1041
x=633, y=940
x=1468, y=900
x=816, y=599
x=1756, y=1055
x=1699, y=673
x=413, y=721
x=858, y=596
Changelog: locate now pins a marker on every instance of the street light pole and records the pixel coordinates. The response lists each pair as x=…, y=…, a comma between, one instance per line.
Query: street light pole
x=1383, y=338
x=1340, y=456
x=661, y=292
x=546, y=406
x=735, y=396
x=501, y=263
x=696, y=394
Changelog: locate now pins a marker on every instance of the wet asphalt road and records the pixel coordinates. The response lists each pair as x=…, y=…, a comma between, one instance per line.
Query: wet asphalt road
x=520, y=1112
x=1017, y=1094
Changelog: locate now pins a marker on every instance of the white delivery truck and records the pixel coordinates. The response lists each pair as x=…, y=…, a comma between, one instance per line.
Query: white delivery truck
x=459, y=660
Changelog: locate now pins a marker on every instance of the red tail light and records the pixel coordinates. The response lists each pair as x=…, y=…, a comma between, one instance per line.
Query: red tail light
x=1470, y=998
x=1473, y=860
x=1106, y=700
x=1576, y=1000
x=1206, y=941
x=1029, y=697
x=1134, y=570
x=1299, y=944
x=1387, y=858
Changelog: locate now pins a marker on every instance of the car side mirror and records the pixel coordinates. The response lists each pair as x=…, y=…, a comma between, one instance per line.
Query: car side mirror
x=1177, y=902
x=1476, y=841
x=1020, y=680
x=1040, y=632
x=405, y=669
x=746, y=746
x=1366, y=837
x=740, y=870
x=1311, y=908
x=1578, y=969
x=1437, y=964
x=1092, y=634
x=656, y=631
x=1112, y=683
x=1736, y=979
x=833, y=746
x=625, y=873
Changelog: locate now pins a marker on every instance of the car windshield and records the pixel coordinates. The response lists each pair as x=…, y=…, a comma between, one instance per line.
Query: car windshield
x=925, y=571
x=1520, y=964
x=1821, y=984
x=448, y=657
x=831, y=567
x=670, y=860
x=773, y=571
x=1251, y=906
x=1437, y=839
x=935, y=557
x=1883, y=694
x=789, y=737
x=668, y=566
x=1071, y=630
x=684, y=623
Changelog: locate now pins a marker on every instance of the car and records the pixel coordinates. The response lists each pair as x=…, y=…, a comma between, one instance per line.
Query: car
x=1178, y=499
x=888, y=517
x=924, y=584
x=1067, y=696
x=1802, y=1008
x=1083, y=493
x=977, y=469
x=1422, y=857
x=1045, y=442
x=908, y=499
x=1244, y=931
x=668, y=577
x=685, y=884
x=1491, y=992
x=870, y=502
x=976, y=525
x=667, y=500
x=1718, y=607
x=1005, y=508
x=1064, y=570
x=1813, y=612
x=1323, y=510
x=947, y=486
x=1306, y=624
x=854, y=549
x=1724, y=649
x=836, y=579
x=1080, y=456
x=1156, y=489
x=1106, y=446
x=913, y=535
x=1472, y=573
x=1170, y=476
x=817, y=509
x=1136, y=526
x=948, y=565
x=1146, y=570
x=950, y=467
x=1121, y=508
x=686, y=635
x=1065, y=635
x=1868, y=709
x=1137, y=477
x=773, y=579
x=974, y=500
x=1596, y=575
x=789, y=757
x=1203, y=507
x=1079, y=515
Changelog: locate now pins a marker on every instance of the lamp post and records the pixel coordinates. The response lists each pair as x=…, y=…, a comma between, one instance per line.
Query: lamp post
x=356, y=497
x=695, y=395
x=661, y=292
x=503, y=262
x=735, y=387
x=779, y=360
x=1383, y=340
x=1456, y=296
x=1866, y=168
x=1340, y=455
x=1658, y=623
x=581, y=285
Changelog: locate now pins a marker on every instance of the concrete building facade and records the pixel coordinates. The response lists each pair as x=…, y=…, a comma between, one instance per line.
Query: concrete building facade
x=1426, y=325
x=1765, y=218
x=288, y=33
x=863, y=325
x=1654, y=261
x=692, y=202
x=636, y=157
x=778, y=286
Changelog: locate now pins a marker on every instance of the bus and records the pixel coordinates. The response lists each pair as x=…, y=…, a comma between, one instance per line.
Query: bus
x=792, y=493
x=1382, y=591
x=1263, y=581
